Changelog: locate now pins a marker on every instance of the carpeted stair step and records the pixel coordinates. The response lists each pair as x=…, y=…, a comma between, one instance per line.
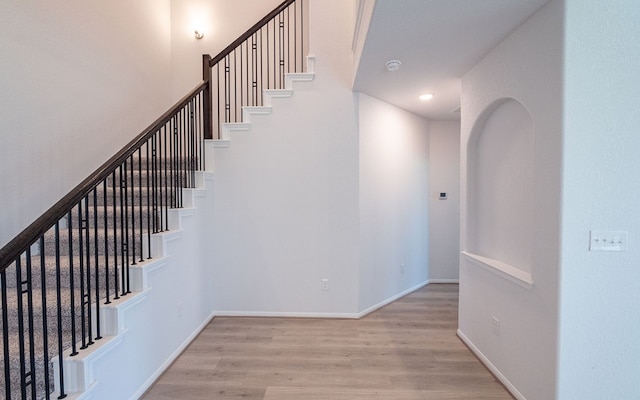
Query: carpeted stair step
x=50, y=272
x=67, y=313
x=107, y=243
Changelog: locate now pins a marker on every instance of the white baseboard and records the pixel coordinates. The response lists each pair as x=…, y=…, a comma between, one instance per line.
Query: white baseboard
x=321, y=315
x=444, y=281
x=285, y=314
x=390, y=299
x=149, y=382
x=495, y=371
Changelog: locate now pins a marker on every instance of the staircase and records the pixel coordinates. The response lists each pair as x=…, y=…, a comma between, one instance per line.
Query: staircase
x=63, y=303
x=98, y=293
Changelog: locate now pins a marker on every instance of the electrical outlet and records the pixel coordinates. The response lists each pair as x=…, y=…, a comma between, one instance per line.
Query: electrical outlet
x=180, y=309
x=495, y=326
x=325, y=284
x=608, y=240
x=402, y=269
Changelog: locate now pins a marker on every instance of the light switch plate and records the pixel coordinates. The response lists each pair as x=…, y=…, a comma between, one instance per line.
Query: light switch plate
x=608, y=240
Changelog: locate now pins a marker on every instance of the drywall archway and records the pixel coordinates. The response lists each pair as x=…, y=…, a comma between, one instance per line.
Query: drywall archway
x=500, y=186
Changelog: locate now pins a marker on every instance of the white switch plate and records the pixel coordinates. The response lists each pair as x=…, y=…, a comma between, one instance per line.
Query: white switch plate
x=608, y=240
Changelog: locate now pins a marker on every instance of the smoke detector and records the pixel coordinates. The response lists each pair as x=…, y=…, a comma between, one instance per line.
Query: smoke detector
x=393, y=65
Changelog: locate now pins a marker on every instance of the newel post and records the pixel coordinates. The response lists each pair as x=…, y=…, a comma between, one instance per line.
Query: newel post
x=206, y=76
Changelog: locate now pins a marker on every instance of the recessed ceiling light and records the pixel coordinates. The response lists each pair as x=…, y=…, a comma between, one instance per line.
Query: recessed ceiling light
x=426, y=96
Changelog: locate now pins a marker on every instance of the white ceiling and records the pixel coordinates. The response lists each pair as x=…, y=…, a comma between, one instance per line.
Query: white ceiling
x=437, y=41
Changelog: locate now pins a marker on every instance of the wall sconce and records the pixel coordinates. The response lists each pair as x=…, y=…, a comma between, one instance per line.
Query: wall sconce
x=426, y=96
x=198, y=33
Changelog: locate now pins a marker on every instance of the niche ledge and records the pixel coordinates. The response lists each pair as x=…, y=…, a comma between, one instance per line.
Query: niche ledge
x=499, y=268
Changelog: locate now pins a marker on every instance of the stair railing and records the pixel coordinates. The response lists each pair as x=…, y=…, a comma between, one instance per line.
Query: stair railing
x=85, y=244
x=77, y=255
x=256, y=61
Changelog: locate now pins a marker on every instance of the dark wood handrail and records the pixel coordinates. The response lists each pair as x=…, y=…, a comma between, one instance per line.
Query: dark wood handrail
x=40, y=226
x=250, y=32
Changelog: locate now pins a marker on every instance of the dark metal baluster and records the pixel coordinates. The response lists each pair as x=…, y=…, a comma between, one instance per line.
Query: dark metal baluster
x=133, y=212
x=45, y=322
x=172, y=160
x=59, y=308
x=21, y=344
x=218, y=91
x=81, y=229
x=241, y=81
x=149, y=208
x=184, y=162
x=140, y=196
x=247, y=87
x=124, y=257
x=32, y=360
x=192, y=156
x=86, y=299
x=154, y=184
x=106, y=242
x=254, y=70
x=200, y=118
x=167, y=165
x=5, y=334
x=236, y=106
x=179, y=158
x=227, y=90
x=116, y=283
x=276, y=56
x=267, y=50
x=72, y=280
x=96, y=263
x=161, y=219
x=127, y=234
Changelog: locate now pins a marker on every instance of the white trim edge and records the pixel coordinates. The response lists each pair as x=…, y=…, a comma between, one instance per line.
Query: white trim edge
x=391, y=299
x=278, y=314
x=495, y=371
x=444, y=280
x=511, y=273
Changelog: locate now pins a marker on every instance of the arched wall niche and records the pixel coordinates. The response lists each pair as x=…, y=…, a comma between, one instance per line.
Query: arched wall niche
x=500, y=187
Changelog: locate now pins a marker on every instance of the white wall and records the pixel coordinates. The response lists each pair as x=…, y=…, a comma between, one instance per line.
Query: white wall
x=444, y=215
x=527, y=67
x=599, y=355
x=221, y=21
x=394, y=203
x=79, y=80
x=286, y=192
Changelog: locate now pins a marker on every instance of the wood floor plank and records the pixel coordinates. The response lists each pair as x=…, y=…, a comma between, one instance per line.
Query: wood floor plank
x=407, y=350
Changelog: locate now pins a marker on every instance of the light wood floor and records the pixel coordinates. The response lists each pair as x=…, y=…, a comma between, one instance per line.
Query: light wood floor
x=407, y=350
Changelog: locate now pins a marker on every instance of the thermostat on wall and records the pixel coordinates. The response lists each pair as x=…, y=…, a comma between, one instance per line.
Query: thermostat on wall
x=443, y=196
